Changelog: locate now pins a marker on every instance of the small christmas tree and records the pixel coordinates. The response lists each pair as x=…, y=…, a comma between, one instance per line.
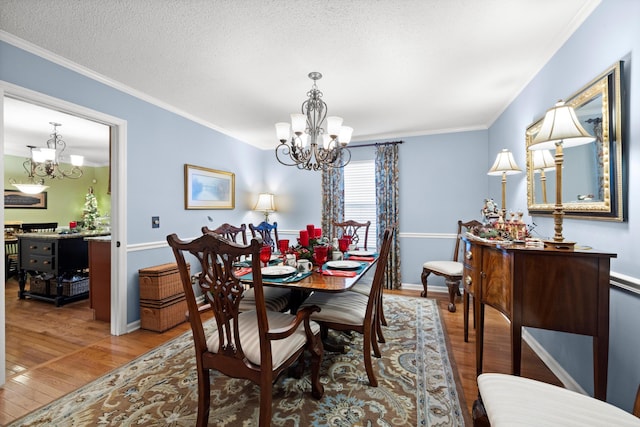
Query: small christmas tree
x=90, y=211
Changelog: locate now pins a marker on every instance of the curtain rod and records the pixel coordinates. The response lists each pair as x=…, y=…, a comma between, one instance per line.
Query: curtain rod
x=376, y=144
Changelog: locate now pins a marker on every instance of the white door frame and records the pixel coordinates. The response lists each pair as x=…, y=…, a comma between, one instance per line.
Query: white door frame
x=118, y=202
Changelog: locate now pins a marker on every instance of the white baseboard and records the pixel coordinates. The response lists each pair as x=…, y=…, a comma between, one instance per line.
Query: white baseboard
x=564, y=377
x=416, y=287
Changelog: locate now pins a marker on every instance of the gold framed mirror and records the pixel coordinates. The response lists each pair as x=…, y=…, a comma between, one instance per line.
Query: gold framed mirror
x=592, y=173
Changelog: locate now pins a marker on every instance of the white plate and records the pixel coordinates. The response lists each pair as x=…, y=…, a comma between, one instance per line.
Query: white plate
x=278, y=271
x=344, y=265
x=361, y=253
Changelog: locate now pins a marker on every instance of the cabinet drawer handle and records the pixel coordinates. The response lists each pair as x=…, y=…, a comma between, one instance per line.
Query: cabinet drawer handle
x=33, y=261
x=468, y=255
x=468, y=280
x=33, y=247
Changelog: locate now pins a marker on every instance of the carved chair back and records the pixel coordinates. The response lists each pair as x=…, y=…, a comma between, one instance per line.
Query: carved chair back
x=229, y=232
x=353, y=228
x=264, y=230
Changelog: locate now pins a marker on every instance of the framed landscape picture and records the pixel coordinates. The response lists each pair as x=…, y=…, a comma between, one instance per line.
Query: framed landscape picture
x=208, y=188
x=14, y=199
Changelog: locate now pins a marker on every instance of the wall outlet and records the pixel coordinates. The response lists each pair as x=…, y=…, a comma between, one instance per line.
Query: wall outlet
x=155, y=222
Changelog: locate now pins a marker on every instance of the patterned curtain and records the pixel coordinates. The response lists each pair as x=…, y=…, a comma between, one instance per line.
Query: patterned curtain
x=387, y=190
x=332, y=199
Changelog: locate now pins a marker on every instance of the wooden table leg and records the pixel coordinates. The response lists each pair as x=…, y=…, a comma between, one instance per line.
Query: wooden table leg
x=479, y=334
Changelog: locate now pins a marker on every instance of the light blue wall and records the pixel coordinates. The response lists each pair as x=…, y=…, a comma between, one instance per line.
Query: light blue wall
x=159, y=144
x=610, y=34
x=443, y=178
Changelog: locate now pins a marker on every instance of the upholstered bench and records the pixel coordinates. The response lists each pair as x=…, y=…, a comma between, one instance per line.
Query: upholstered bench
x=508, y=401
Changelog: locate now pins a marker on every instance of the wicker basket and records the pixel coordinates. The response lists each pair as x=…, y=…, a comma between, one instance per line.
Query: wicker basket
x=73, y=287
x=38, y=285
x=162, y=315
x=160, y=282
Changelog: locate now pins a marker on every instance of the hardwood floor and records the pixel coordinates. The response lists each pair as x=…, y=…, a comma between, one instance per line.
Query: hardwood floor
x=52, y=351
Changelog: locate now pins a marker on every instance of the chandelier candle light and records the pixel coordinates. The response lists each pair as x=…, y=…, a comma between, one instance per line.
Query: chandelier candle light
x=312, y=146
x=45, y=163
x=504, y=165
x=560, y=129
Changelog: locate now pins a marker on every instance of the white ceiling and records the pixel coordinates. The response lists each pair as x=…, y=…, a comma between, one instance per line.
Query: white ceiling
x=29, y=124
x=391, y=68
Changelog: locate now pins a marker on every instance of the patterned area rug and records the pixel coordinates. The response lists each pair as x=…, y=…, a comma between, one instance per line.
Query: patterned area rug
x=416, y=385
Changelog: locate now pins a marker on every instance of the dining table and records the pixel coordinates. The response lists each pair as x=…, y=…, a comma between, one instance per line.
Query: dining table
x=332, y=276
x=328, y=278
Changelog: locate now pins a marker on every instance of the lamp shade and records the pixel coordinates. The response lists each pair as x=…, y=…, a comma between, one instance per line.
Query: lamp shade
x=265, y=203
x=31, y=188
x=542, y=160
x=504, y=164
x=283, y=131
x=560, y=125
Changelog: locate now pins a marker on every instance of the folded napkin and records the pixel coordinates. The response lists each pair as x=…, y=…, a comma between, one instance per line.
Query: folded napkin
x=360, y=258
x=340, y=273
x=242, y=271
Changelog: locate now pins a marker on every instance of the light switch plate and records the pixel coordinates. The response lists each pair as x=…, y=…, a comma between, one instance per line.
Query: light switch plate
x=155, y=222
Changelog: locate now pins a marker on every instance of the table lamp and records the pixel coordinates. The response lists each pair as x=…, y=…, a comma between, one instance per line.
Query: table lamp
x=266, y=204
x=542, y=161
x=560, y=129
x=504, y=165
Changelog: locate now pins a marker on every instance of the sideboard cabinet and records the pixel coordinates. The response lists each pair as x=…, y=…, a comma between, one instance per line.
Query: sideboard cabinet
x=546, y=288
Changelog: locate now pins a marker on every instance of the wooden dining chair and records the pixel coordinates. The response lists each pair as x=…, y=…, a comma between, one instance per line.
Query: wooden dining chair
x=352, y=311
x=451, y=270
x=10, y=258
x=258, y=345
x=40, y=227
x=264, y=230
x=276, y=299
x=511, y=400
x=359, y=231
x=229, y=232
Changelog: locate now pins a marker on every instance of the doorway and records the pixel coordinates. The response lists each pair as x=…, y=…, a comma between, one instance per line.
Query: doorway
x=117, y=175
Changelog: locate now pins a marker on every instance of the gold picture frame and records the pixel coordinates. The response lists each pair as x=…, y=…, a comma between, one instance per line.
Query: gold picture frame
x=206, y=188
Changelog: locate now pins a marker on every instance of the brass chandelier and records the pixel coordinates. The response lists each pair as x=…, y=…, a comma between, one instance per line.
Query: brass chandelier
x=45, y=163
x=305, y=143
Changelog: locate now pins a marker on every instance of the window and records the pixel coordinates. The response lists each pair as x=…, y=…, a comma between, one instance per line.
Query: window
x=360, y=195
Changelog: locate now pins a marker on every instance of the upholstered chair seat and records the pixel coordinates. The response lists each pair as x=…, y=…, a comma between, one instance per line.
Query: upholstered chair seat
x=444, y=268
x=275, y=299
x=508, y=400
x=281, y=350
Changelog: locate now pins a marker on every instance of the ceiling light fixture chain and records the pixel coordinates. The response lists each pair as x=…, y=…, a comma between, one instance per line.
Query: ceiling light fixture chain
x=311, y=146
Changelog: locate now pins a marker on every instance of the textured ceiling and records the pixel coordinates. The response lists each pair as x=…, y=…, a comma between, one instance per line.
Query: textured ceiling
x=391, y=68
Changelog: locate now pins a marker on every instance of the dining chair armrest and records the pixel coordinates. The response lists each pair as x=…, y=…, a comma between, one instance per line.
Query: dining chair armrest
x=302, y=315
